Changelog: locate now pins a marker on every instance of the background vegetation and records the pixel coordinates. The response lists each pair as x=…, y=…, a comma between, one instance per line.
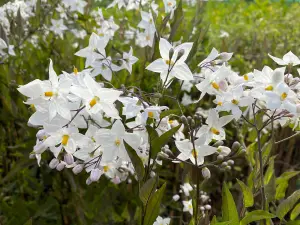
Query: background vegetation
x=38, y=195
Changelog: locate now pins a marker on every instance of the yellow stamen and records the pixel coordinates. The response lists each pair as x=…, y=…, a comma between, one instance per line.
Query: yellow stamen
x=194, y=153
x=215, y=131
x=169, y=62
x=215, y=85
x=170, y=121
x=32, y=107
x=117, y=142
x=150, y=114
x=101, y=35
x=169, y=3
x=220, y=103
x=48, y=93
x=246, y=77
x=148, y=38
x=75, y=70
x=283, y=96
x=65, y=139
x=105, y=168
x=234, y=101
x=269, y=88
x=94, y=101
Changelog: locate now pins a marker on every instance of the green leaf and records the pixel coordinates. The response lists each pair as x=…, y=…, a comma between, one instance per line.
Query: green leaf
x=295, y=213
x=256, y=216
x=295, y=222
x=136, y=161
x=151, y=132
x=286, y=176
x=153, y=206
x=229, y=211
x=247, y=193
x=270, y=189
x=147, y=189
x=266, y=150
x=168, y=112
x=286, y=205
x=159, y=142
x=280, y=190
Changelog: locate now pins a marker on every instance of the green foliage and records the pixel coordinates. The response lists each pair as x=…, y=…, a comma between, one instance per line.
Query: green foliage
x=247, y=194
x=286, y=205
x=229, y=210
x=256, y=215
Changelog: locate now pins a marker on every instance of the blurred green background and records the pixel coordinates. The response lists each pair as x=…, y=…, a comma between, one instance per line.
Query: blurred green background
x=37, y=195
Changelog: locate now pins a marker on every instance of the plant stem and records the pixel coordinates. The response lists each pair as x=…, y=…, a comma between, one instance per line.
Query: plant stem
x=197, y=196
x=262, y=188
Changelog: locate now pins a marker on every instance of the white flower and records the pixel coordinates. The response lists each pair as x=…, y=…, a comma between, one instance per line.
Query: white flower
x=58, y=27
x=288, y=59
x=214, y=128
x=174, y=66
x=186, y=188
x=162, y=221
x=128, y=60
x=97, y=98
x=188, y=206
x=195, y=153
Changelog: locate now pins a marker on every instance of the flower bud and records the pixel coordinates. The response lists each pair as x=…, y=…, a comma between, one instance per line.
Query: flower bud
x=53, y=163
x=78, y=168
x=180, y=54
x=152, y=174
x=171, y=53
x=162, y=155
x=220, y=157
x=69, y=159
x=88, y=181
x=230, y=162
x=218, y=143
x=176, y=198
x=235, y=146
x=223, y=150
x=202, y=208
x=60, y=166
x=228, y=168
x=95, y=175
x=116, y=180
x=183, y=119
x=205, y=173
x=224, y=164
x=207, y=207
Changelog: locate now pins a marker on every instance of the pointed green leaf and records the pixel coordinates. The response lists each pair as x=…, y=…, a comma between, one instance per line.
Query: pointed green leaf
x=295, y=222
x=147, y=189
x=256, y=216
x=280, y=190
x=286, y=176
x=247, y=194
x=159, y=142
x=286, y=205
x=136, y=161
x=295, y=213
x=153, y=206
x=229, y=211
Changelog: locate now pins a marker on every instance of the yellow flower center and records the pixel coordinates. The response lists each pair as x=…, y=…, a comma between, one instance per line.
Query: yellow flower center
x=48, y=93
x=220, y=103
x=269, y=88
x=234, y=101
x=169, y=62
x=101, y=34
x=94, y=101
x=148, y=38
x=75, y=70
x=194, y=153
x=246, y=77
x=170, y=121
x=215, y=85
x=117, y=142
x=190, y=206
x=65, y=139
x=283, y=96
x=150, y=114
x=169, y=3
x=105, y=168
x=214, y=131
